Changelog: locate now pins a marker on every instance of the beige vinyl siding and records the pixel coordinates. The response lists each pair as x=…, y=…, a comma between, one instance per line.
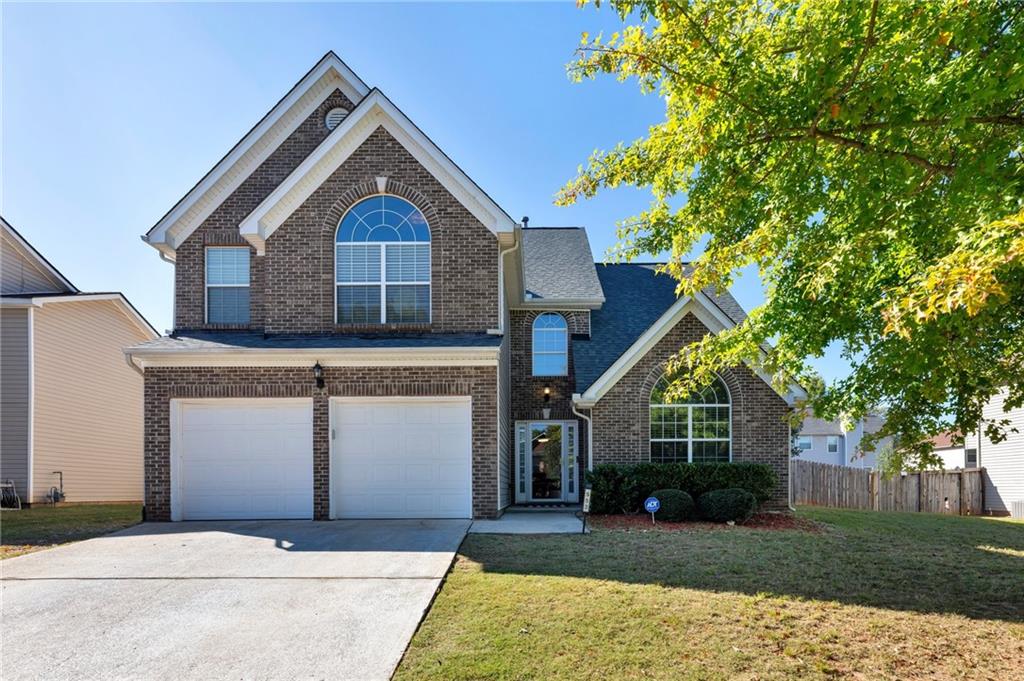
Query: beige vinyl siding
x=1003, y=462
x=14, y=389
x=88, y=402
x=19, y=273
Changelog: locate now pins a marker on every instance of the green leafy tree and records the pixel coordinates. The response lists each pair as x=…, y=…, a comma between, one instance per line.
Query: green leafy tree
x=866, y=157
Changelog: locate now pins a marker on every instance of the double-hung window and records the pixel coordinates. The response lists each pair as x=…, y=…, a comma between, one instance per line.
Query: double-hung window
x=382, y=264
x=833, y=444
x=550, y=345
x=227, y=285
x=803, y=443
x=694, y=428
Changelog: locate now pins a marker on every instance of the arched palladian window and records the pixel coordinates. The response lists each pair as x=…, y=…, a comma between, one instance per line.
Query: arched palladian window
x=550, y=345
x=695, y=428
x=382, y=263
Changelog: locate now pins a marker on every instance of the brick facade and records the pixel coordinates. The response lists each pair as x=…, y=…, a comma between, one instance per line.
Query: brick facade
x=221, y=227
x=164, y=384
x=760, y=432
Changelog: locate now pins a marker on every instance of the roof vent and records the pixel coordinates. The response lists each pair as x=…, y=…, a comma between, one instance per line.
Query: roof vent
x=526, y=222
x=334, y=117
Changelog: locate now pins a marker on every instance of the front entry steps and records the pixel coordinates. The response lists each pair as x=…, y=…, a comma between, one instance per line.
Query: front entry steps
x=544, y=507
x=560, y=521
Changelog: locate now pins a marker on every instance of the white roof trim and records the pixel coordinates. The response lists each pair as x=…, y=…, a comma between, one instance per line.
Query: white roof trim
x=329, y=74
x=331, y=357
x=701, y=307
x=40, y=261
x=123, y=305
x=374, y=111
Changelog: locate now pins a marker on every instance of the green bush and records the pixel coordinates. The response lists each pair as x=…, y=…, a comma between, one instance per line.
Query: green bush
x=623, y=488
x=676, y=505
x=723, y=505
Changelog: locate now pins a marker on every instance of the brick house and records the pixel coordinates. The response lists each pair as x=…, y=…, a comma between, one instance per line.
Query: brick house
x=360, y=331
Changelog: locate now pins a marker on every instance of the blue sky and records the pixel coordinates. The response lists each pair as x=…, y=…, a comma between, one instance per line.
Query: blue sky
x=112, y=112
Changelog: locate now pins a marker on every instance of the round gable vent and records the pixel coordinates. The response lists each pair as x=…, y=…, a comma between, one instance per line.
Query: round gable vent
x=334, y=117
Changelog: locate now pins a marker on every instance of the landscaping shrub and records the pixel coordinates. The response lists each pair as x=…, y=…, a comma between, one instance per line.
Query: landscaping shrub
x=723, y=505
x=676, y=505
x=623, y=488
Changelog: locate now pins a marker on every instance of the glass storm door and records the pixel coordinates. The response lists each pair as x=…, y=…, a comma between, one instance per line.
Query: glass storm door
x=546, y=461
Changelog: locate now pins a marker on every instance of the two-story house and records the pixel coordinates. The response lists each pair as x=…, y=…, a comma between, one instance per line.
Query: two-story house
x=360, y=331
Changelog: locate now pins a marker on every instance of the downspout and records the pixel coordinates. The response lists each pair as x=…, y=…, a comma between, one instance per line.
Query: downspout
x=789, y=469
x=30, y=453
x=133, y=365
x=590, y=433
x=501, y=280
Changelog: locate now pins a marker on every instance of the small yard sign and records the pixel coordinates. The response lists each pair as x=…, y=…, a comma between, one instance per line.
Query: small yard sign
x=586, y=500
x=651, y=505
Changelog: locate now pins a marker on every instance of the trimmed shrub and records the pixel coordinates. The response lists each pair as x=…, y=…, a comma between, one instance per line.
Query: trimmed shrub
x=623, y=488
x=676, y=505
x=723, y=505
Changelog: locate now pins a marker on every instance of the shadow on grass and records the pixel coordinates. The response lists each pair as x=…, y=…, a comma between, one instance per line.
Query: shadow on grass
x=899, y=561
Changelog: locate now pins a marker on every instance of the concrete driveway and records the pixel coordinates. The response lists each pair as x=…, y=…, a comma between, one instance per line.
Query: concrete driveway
x=227, y=600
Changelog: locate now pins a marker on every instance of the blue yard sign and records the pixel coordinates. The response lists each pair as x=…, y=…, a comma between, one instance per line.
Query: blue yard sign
x=652, y=504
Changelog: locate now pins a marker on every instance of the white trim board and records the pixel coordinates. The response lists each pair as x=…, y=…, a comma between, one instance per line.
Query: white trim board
x=124, y=306
x=307, y=357
x=328, y=75
x=374, y=111
x=701, y=307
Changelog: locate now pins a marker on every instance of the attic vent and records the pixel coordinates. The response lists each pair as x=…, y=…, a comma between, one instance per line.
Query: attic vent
x=334, y=117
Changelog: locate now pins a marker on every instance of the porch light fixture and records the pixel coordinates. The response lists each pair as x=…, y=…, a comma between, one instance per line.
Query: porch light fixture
x=547, y=394
x=318, y=374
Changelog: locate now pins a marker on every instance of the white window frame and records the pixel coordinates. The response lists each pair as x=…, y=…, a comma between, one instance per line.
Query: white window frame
x=564, y=352
x=570, y=462
x=830, y=442
x=689, y=439
x=383, y=283
x=804, y=439
x=207, y=285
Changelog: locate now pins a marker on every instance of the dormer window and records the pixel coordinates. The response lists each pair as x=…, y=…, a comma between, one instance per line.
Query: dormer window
x=382, y=263
x=550, y=345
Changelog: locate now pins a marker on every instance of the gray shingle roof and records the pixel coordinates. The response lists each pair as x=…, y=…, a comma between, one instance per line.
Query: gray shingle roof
x=635, y=297
x=242, y=340
x=558, y=265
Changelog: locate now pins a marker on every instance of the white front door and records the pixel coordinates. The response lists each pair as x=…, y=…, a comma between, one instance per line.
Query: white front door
x=241, y=459
x=401, y=458
x=546, y=461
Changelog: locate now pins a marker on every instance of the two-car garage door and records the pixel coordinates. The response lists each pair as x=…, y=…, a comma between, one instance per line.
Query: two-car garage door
x=253, y=458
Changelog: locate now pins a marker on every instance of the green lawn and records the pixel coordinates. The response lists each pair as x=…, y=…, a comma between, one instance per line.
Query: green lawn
x=875, y=595
x=41, y=527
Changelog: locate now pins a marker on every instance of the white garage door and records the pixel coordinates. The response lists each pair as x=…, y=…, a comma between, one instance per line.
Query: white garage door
x=242, y=459
x=401, y=458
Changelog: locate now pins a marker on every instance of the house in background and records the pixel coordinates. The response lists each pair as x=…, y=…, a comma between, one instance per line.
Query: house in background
x=828, y=442
x=955, y=453
x=69, y=401
x=362, y=332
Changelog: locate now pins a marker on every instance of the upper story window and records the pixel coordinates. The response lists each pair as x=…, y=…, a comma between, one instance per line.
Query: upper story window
x=803, y=442
x=833, y=444
x=695, y=428
x=227, y=285
x=550, y=345
x=382, y=263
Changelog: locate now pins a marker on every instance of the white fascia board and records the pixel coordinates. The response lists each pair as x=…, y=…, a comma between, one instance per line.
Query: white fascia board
x=329, y=74
x=374, y=111
x=560, y=304
x=328, y=357
x=701, y=307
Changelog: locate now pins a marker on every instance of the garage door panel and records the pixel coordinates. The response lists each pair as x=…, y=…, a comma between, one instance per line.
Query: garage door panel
x=402, y=459
x=245, y=460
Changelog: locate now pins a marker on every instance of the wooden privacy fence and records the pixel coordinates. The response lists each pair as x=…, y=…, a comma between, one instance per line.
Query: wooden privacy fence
x=956, y=492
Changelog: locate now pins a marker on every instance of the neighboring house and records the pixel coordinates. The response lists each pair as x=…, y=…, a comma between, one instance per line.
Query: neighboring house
x=1003, y=461
x=70, y=402
x=828, y=442
x=951, y=448
x=362, y=332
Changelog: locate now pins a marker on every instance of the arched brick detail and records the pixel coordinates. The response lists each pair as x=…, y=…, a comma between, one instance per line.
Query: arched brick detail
x=368, y=188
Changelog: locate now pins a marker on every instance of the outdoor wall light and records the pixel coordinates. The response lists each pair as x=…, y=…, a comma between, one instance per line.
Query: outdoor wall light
x=547, y=394
x=318, y=374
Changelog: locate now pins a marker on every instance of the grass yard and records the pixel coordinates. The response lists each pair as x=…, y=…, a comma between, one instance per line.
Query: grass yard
x=40, y=527
x=874, y=595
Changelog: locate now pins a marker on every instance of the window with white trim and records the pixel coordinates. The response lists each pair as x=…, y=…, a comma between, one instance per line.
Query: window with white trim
x=382, y=263
x=694, y=428
x=833, y=444
x=803, y=443
x=227, y=284
x=550, y=345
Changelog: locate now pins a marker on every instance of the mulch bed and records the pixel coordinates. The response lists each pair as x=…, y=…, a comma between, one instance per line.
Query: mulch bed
x=760, y=521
